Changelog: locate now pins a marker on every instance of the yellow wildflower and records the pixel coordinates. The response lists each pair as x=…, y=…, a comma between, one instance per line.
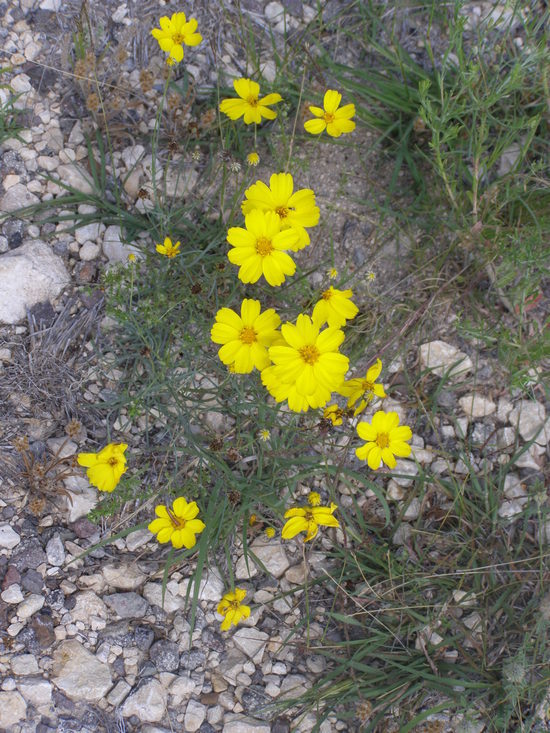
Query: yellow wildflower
x=131, y=257
x=335, y=119
x=106, y=467
x=332, y=273
x=355, y=389
x=314, y=498
x=385, y=440
x=308, y=519
x=245, y=338
x=371, y=276
x=335, y=308
x=270, y=533
x=232, y=609
x=253, y=159
x=177, y=525
x=168, y=249
x=296, y=210
x=334, y=414
x=174, y=33
x=259, y=249
x=265, y=435
x=249, y=105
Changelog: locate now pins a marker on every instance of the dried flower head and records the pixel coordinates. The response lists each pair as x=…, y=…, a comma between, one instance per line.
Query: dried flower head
x=146, y=80
x=92, y=102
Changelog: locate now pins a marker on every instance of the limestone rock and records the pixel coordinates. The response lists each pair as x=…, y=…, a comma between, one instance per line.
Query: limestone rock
x=29, y=275
x=211, y=587
x=252, y=642
x=530, y=418
x=17, y=197
x=35, y=690
x=239, y=724
x=476, y=405
x=153, y=593
x=114, y=248
x=75, y=176
x=195, y=714
x=443, y=358
x=126, y=576
x=88, y=604
x=148, y=702
x=270, y=553
x=13, y=708
x=79, y=674
x=83, y=497
x=8, y=537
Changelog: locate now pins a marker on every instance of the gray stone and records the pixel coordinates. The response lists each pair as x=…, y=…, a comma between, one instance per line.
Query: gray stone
x=118, y=693
x=35, y=690
x=211, y=586
x=88, y=604
x=192, y=659
x=441, y=358
x=195, y=713
x=251, y=642
x=55, y=552
x=153, y=593
x=75, y=176
x=476, y=405
x=89, y=251
x=13, y=708
x=404, y=472
x=270, y=553
x=127, y=605
x=123, y=576
x=24, y=664
x=530, y=418
x=87, y=233
x=138, y=538
x=114, y=248
x=240, y=724
x=165, y=656
x=62, y=447
x=29, y=275
x=83, y=498
x=17, y=197
x=79, y=674
x=30, y=606
x=12, y=594
x=8, y=537
x=148, y=702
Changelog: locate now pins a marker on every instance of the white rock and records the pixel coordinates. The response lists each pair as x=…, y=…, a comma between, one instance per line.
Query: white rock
x=413, y=510
x=274, y=10
x=30, y=605
x=89, y=251
x=24, y=664
x=118, y=693
x=88, y=604
x=407, y=471
x=251, y=642
x=55, y=551
x=513, y=488
x=78, y=673
x=138, y=538
x=87, y=232
x=239, y=724
x=35, y=690
x=511, y=508
x=61, y=447
x=53, y=5
x=152, y=592
x=530, y=418
x=148, y=702
x=29, y=275
x=476, y=405
x=124, y=576
x=504, y=409
x=75, y=176
x=394, y=492
x=13, y=708
x=181, y=689
x=442, y=358
x=528, y=459
x=195, y=713
x=12, y=594
x=83, y=497
x=132, y=154
x=271, y=554
x=508, y=159
x=8, y=537
x=211, y=587
x=114, y=248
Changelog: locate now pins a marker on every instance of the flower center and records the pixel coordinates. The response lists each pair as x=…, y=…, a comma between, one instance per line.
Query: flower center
x=113, y=461
x=234, y=605
x=328, y=117
x=282, y=211
x=383, y=440
x=252, y=101
x=327, y=295
x=264, y=246
x=248, y=335
x=367, y=386
x=310, y=354
x=177, y=38
x=176, y=522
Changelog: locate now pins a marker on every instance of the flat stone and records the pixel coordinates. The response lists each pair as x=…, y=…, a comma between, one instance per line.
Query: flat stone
x=88, y=604
x=239, y=724
x=118, y=693
x=87, y=233
x=13, y=708
x=61, y=447
x=137, y=539
x=55, y=551
x=29, y=275
x=83, y=497
x=153, y=593
x=195, y=713
x=530, y=418
x=148, y=702
x=114, y=248
x=404, y=472
x=165, y=655
x=79, y=674
x=443, y=358
x=476, y=405
x=211, y=587
x=76, y=177
x=8, y=537
x=413, y=510
x=17, y=197
x=394, y=492
x=30, y=605
x=35, y=690
x=511, y=508
x=127, y=605
x=24, y=664
x=124, y=576
x=251, y=642
x=270, y=553
x=89, y=251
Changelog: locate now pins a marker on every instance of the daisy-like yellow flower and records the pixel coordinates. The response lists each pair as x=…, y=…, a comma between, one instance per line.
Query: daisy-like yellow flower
x=332, y=273
x=249, y=105
x=335, y=308
x=308, y=519
x=245, y=338
x=307, y=366
x=259, y=249
x=270, y=533
x=168, y=249
x=363, y=391
x=106, y=467
x=265, y=435
x=385, y=440
x=334, y=414
x=314, y=498
x=295, y=210
x=177, y=525
x=174, y=33
x=232, y=608
x=333, y=118
x=253, y=159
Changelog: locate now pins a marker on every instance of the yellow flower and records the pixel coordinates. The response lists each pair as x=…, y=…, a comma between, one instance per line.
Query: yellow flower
x=259, y=249
x=249, y=105
x=245, y=338
x=335, y=308
x=265, y=435
x=168, y=249
x=253, y=159
x=308, y=519
x=295, y=210
x=106, y=467
x=252, y=520
x=371, y=276
x=334, y=414
x=307, y=366
x=131, y=257
x=232, y=609
x=174, y=32
x=333, y=118
x=313, y=498
x=332, y=273
x=385, y=440
x=270, y=533
x=366, y=388
x=177, y=525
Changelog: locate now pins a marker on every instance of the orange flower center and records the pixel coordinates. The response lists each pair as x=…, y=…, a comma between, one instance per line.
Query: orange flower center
x=252, y=101
x=282, y=211
x=113, y=461
x=329, y=117
x=383, y=440
x=310, y=354
x=248, y=335
x=327, y=295
x=233, y=605
x=264, y=246
x=177, y=523
x=367, y=386
x=178, y=38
